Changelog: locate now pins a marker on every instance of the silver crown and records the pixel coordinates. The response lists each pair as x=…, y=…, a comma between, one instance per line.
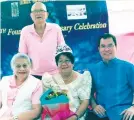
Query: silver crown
x=62, y=49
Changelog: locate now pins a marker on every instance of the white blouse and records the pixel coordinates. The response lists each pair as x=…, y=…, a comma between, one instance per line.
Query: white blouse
x=78, y=90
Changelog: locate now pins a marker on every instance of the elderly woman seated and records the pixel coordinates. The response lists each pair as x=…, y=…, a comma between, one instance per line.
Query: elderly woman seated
x=20, y=92
x=76, y=85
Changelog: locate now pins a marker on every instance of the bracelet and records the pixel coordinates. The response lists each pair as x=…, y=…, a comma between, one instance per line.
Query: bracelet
x=76, y=115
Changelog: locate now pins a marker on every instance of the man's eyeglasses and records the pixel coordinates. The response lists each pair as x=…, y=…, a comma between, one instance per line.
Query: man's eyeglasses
x=38, y=11
x=66, y=61
x=107, y=46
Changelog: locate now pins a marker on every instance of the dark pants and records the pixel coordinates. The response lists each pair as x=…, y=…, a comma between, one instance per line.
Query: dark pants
x=39, y=77
x=92, y=116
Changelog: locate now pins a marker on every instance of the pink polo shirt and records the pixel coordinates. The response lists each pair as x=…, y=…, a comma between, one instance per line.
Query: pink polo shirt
x=41, y=50
x=125, y=47
x=13, y=90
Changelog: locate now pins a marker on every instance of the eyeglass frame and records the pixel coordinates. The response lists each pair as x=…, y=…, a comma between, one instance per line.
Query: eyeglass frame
x=107, y=46
x=66, y=61
x=18, y=66
x=38, y=11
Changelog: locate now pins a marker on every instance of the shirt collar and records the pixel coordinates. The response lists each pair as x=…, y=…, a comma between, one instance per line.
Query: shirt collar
x=111, y=62
x=48, y=27
x=13, y=82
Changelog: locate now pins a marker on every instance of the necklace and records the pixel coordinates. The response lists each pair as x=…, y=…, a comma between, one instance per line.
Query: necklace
x=68, y=79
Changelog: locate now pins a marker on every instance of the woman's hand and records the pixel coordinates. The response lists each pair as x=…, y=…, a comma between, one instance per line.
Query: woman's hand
x=72, y=118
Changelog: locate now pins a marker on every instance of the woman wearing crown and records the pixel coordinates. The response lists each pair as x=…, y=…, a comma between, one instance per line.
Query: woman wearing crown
x=77, y=86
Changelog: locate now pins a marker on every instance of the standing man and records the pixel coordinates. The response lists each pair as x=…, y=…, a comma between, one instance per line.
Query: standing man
x=114, y=83
x=39, y=41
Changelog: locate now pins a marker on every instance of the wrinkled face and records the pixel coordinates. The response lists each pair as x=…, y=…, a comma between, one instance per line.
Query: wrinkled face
x=107, y=49
x=38, y=14
x=64, y=64
x=21, y=68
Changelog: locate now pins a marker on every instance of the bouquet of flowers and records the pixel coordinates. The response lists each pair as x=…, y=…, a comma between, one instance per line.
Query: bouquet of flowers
x=55, y=105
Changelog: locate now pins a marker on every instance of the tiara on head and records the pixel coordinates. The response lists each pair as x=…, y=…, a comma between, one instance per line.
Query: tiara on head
x=62, y=49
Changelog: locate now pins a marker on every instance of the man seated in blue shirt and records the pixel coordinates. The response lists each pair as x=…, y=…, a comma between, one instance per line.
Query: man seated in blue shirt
x=114, y=83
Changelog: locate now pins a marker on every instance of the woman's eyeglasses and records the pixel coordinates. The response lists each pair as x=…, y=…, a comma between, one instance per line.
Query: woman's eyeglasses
x=66, y=61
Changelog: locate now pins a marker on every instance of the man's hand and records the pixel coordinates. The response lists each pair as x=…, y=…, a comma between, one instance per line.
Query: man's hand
x=99, y=110
x=128, y=114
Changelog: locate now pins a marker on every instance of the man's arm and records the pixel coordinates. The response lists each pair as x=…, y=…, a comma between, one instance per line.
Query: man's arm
x=22, y=43
x=128, y=114
x=98, y=109
x=60, y=37
x=131, y=76
x=93, y=102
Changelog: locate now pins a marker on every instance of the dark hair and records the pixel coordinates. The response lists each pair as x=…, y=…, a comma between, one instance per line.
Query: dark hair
x=107, y=35
x=67, y=54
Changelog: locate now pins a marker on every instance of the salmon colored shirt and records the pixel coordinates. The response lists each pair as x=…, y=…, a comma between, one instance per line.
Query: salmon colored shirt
x=35, y=98
x=125, y=47
x=41, y=50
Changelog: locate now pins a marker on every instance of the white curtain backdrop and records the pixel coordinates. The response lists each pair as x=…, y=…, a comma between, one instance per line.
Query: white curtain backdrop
x=121, y=24
x=121, y=16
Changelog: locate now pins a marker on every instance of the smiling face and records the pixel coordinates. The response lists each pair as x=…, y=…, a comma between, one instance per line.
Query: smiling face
x=64, y=64
x=107, y=49
x=39, y=13
x=21, y=68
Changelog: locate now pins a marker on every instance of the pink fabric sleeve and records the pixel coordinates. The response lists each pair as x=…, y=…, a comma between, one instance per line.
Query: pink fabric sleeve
x=22, y=43
x=60, y=36
x=37, y=93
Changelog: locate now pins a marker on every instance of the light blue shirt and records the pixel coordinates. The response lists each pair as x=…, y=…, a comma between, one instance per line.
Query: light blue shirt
x=114, y=84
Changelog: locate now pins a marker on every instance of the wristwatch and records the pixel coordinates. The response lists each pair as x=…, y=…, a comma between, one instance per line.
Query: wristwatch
x=15, y=118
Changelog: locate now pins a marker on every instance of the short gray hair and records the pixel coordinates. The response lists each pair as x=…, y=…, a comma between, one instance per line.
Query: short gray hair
x=39, y=3
x=19, y=55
